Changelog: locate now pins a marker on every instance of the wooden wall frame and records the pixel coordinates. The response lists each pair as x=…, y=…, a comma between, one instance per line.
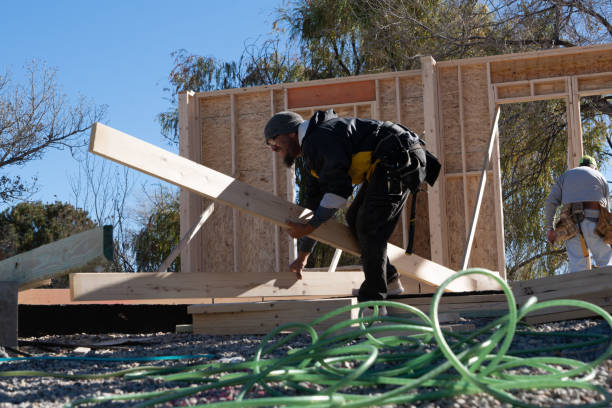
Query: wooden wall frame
x=453, y=102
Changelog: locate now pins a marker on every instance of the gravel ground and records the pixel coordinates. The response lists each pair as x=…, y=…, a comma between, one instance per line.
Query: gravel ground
x=39, y=391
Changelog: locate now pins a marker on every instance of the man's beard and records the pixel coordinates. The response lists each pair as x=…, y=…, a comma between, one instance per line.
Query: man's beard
x=289, y=160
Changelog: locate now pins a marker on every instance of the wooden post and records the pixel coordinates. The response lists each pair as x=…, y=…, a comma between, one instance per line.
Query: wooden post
x=8, y=314
x=435, y=194
x=463, y=160
x=483, y=181
x=275, y=192
x=290, y=192
x=574, y=124
x=190, y=204
x=497, y=186
x=234, y=174
x=398, y=118
x=335, y=259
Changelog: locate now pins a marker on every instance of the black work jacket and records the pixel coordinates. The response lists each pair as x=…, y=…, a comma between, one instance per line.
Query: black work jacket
x=337, y=154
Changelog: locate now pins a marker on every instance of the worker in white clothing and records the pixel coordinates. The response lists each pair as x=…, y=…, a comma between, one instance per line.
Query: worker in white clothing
x=581, y=190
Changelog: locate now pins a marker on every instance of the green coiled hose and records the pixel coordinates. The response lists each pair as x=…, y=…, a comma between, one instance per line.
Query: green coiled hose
x=361, y=362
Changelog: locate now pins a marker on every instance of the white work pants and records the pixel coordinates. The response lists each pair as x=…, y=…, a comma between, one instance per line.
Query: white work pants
x=600, y=251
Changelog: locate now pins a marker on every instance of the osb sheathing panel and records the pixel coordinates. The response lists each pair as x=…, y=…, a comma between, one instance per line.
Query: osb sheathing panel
x=484, y=250
x=551, y=66
x=411, y=103
x=254, y=167
x=474, y=108
x=476, y=124
x=450, y=130
x=217, y=239
x=364, y=111
x=455, y=221
x=386, y=103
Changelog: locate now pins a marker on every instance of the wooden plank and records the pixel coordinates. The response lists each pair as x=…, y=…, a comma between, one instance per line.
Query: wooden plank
x=149, y=285
x=187, y=238
x=261, y=317
x=235, y=225
x=463, y=159
x=331, y=94
x=398, y=119
x=497, y=186
x=275, y=192
x=574, y=122
x=565, y=286
x=334, y=261
x=190, y=204
x=435, y=194
x=78, y=252
x=291, y=197
x=55, y=296
x=152, y=160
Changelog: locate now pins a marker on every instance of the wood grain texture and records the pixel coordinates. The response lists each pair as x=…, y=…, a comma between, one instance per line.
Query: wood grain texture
x=261, y=317
x=148, y=285
x=127, y=150
x=78, y=252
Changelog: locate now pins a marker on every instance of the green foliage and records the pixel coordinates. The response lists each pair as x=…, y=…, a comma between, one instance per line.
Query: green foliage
x=533, y=145
x=29, y=225
x=159, y=235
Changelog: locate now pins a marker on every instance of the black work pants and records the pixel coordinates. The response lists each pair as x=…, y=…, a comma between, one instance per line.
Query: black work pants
x=372, y=218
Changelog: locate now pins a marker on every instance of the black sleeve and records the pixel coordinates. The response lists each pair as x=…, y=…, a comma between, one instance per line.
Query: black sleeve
x=312, y=192
x=333, y=160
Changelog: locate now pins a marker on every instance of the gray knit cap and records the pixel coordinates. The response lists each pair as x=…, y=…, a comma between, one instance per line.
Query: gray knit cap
x=282, y=122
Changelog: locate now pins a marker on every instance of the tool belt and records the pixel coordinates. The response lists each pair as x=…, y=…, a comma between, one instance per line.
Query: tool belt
x=572, y=214
x=604, y=225
x=567, y=226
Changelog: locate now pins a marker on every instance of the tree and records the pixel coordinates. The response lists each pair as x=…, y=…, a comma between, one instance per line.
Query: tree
x=102, y=188
x=159, y=234
x=34, y=117
x=260, y=64
x=29, y=225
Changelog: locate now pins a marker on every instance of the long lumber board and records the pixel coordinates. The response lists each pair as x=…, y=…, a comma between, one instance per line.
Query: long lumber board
x=151, y=285
x=594, y=286
x=154, y=161
x=78, y=252
x=261, y=317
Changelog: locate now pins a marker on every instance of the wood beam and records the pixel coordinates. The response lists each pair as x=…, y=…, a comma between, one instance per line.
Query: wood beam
x=497, y=185
x=129, y=151
x=82, y=251
x=261, y=317
x=190, y=204
x=435, y=194
x=149, y=285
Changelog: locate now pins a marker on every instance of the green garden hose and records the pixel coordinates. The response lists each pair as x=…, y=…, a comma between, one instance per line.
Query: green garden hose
x=364, y=362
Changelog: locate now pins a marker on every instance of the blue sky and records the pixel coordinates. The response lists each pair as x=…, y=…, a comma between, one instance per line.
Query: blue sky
x=118, y=54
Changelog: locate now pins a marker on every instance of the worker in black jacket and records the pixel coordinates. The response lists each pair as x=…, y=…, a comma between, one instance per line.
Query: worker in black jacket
x=388, y=161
